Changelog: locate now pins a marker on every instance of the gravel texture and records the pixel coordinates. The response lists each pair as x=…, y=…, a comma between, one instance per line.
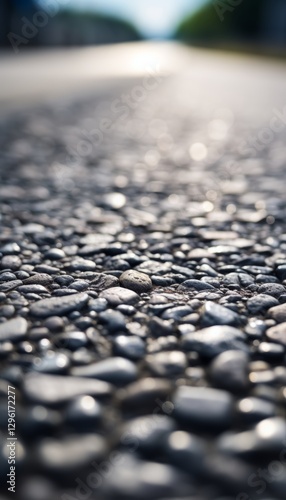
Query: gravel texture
x=143, y=305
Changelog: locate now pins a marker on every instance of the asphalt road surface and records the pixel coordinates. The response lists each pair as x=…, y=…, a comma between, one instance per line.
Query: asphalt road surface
x=142, y=275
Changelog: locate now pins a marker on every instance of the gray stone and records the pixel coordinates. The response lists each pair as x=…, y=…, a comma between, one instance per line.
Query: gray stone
x=114, y=321
x=129, y=346
x=255, y=328
x=203, y=408
x=158, y=327
x=38, y=279
x=118, y=371
x=10, y=285
x=133, y=478
x=82, y=265
x=83, y=414
x=229, y=371
x=186, y=451
x=278, y=313
x=55, y=390
x=12, y=262
x=10, y=249
x=148, y=432
x=7, y=311
x=241, y=279
x=273, y=289
x=214, y=340
x=32, y=289
x=147, y=395
x=45, y=269
x=13, y=330
x=136, y=281
x=98, y=305
x=59, y=305
x=54, y=363
x=70, y=454
x=215, y=314
x=118, y=295
x=71, y=340
x=177, y=312
x=167, y=364
x=7, y=276
x=281, y=272
x=79, y=285
x=151, y=267
x=265, y=441
x=252, y=410
x=54, y=323
x=261, y=303
x=197, y=285
x=277, y=333
x=102, y=281
x=55, y=254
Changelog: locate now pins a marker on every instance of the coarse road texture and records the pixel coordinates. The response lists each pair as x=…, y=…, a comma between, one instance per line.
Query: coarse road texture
x=143, y=274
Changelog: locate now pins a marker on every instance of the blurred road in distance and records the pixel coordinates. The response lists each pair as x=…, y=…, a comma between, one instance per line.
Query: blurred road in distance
x=249, y=84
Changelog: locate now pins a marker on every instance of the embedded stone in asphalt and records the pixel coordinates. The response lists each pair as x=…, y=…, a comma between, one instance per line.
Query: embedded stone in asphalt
x=215, y=314
x=204, y=408
x=38, y=279
x=259, y=304
x=277, y=333
x=59, y=305
x=67, y=455
x=265, y=440
x=55, y=390
x=229, y=370
x=118, y=371
x=118, y=295
x=149, y=432
x=214, y=340
x=278, y=313
x=198, y=285
x=147, y=395
x=136, y=281
x=13, y=330
x=186, y=451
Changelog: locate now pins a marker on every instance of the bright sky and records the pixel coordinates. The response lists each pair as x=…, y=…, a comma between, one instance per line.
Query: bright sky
x=152, y=17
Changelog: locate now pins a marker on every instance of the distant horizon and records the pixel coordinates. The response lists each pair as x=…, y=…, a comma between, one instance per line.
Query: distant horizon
x=145, y=16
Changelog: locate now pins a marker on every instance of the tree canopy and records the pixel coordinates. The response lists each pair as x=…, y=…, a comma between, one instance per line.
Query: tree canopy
x=220, y=20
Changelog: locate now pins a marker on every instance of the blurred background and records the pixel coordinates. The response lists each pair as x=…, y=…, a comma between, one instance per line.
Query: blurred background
x=91, y=125
x=256, y=25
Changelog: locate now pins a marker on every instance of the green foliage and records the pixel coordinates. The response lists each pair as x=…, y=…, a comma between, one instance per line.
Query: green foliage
x=213, y=22
x=111, y=23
